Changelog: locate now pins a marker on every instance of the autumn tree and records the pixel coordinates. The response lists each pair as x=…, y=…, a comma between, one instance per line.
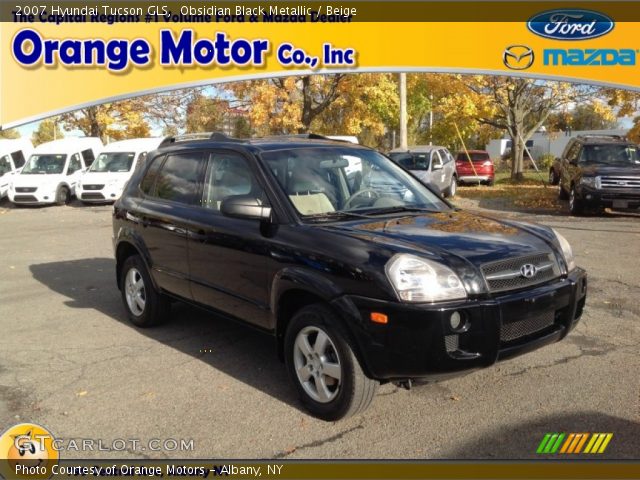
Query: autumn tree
x=206, y=114
x=169, y=109
x=48, y=130
x=115, y=121
x=594, y=115
x=10, y=133
x=634, y=132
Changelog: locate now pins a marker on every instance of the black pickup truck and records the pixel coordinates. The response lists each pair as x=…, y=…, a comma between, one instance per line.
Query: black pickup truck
x=596, y=172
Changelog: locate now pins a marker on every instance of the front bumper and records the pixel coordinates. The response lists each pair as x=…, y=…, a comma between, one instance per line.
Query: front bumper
x=106, y=194
x=38, y=197
x=475, y=178
x=622, y=198
x=418, y=342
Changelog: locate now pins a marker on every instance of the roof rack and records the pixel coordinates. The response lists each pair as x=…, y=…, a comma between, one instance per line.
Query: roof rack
x=186, y=137
x=603, y=135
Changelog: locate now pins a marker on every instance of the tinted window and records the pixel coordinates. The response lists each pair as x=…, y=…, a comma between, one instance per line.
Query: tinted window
x=113, y=162
x=45, y=164
x=435, y=159
x=228, y=174
x=5, y=165
x=610, y=154
x=445, y=155
x=411, y=161
x=88, y=156
x=18, y=159
x=179, y=178
x=149, y=179
x=475, y=157
x=74, y=164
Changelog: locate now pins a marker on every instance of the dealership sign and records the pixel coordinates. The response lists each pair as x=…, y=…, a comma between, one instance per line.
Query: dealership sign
x=570, y=24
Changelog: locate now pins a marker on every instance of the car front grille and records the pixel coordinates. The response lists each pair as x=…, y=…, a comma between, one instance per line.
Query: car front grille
x=507, y=274
x=24, y=198
x=26, y=189
x=92, y=187
x=92, y=196
x=620, y=182
x=510, y=331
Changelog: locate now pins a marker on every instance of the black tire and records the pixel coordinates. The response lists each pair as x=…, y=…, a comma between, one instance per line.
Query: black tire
x=576, y=206
x=489, y=183
x=349, y=395
x=554, y=178
x=63, y=195
x=156, y=307
x=562, y=195
x=451, y=189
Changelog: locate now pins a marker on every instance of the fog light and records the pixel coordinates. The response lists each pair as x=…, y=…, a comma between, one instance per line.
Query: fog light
x=113, y=195
x=457, y=322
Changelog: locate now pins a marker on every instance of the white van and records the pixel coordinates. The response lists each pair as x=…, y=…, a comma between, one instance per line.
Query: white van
x=53, y=171
x=13, y=155
x=106, y=178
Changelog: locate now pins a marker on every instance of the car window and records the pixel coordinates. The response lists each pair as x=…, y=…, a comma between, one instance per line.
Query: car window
x=573, y=152
x=5, y=165
x=149, y=180
x=445, y=155
x=74, y=164
x=475, y=157
x=113, y=162
x=411, y=161
x=88, y=157
x=178, y=179
x=610, y=154
x=435, y=159
x=18, y=158
x=227, y=175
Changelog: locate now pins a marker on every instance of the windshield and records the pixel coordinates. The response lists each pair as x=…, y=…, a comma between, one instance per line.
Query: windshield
x=624, y=155
x=46, y=163
x=475, y=157
x=411, y=161
x=327, y=181
x=113, y=162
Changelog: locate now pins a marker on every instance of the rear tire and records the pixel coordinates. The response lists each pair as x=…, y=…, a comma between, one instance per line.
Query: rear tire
x=554, y=178
x=62, y=195
x=145, y=306
x=451, y=189
x=323, y=367
x=562, y=195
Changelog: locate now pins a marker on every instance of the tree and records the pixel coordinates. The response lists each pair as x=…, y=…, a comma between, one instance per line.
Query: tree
x=241, y=127
x=114, y=121
x=634, y=132
x=10, y=133
x=595, y=115
x=205, y=114
x=48, y=130
x=520, y=107
x=169, y=109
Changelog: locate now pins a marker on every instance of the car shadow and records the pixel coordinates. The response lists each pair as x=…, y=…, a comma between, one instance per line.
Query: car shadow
x=504, y=441
x=235, y=349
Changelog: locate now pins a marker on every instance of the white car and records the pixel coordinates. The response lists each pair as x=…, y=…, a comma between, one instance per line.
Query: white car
x=13, y=155
x=108, y=175
x=53, y=171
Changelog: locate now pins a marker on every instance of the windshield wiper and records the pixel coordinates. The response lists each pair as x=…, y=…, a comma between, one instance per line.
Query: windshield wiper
x=400, y=208
x=335, y=214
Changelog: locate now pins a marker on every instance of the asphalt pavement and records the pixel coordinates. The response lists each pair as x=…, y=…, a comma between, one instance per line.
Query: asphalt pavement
x=71, y=362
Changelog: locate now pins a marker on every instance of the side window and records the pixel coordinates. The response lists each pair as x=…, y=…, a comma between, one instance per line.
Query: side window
x=445, y=155
x=149, y=180
x=88, y=157
x=228, y=174
x=18, y=159
x=179, y=178
x=435, y=160
x=74, y=164
x=567, y=149
x=5, y=165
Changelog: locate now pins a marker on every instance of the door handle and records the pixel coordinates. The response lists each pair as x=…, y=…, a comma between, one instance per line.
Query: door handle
x=199, y=236
x=175, y=229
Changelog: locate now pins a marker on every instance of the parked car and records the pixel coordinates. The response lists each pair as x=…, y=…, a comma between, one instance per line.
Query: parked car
x=356, y=285
x=431, y=164
x=107, y=176
x=53, y=170
x=600, y=171
x=476, y=167
x=13, y=155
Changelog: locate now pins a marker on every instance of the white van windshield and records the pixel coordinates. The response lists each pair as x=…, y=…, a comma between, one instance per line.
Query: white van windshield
x=45, y=164
x=113, y=162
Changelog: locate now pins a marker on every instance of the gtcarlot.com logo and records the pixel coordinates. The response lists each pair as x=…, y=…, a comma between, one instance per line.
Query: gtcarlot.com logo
x=574, y=443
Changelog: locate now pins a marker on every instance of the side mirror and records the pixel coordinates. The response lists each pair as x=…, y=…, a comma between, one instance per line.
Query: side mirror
x=436, y=167
x=245, y=206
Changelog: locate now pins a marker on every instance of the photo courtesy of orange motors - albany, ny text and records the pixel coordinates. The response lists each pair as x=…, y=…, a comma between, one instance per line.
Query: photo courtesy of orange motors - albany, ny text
x=369, y=240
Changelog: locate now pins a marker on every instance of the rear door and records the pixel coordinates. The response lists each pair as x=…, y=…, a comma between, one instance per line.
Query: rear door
x=438, y=173
x=449, y=166
x=228, y=256
x=172, y=190
x=74, y=171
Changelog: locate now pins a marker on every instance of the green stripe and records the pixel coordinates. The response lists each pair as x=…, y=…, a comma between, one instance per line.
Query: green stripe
x=558, y=443
x=543, y=443
x=550, y=443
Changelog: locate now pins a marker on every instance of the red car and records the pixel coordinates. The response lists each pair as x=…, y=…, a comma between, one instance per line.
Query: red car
x=482, y=170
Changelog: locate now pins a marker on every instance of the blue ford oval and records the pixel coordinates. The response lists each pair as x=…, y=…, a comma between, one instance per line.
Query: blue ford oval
x=570, y=24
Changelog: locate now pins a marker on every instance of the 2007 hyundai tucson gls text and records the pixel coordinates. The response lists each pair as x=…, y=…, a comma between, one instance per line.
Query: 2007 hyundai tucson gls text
x=360, y=272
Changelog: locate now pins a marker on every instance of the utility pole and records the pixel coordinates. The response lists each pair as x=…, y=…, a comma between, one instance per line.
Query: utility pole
x=403, y=111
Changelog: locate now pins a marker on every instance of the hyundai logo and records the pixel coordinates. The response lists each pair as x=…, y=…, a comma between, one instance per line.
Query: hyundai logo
x=518, y=57
x=528, y=270
x=570, y=24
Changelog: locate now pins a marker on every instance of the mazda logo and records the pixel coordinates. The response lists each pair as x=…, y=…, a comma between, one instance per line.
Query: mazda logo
x=518, y=57
x=528, y=270
x=622, y=182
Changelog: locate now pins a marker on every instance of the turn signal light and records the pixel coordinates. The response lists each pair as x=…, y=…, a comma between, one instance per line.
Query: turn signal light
x=377, y=317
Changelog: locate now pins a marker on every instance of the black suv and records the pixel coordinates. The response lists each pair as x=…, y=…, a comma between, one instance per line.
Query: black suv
x=357, y=283
x=600, y=171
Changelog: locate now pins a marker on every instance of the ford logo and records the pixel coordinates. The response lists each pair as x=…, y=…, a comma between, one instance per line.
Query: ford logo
x=570, y=24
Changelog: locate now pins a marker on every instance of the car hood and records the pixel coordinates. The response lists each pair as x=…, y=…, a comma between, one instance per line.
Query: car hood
x=104, y=177
x=34, y=180
x=471, y=237
x=610, y=170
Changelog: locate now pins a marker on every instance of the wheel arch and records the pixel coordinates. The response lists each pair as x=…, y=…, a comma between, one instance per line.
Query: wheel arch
x=127, y=248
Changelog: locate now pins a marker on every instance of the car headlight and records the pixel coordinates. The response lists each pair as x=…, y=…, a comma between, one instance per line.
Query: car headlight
x=80, y=184
x=567, y=253
x=593, y=182
x=417, y=279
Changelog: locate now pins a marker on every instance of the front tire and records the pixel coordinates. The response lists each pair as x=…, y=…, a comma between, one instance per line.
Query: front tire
x=451, y=190
x=323, y=367
x=576, y=206
x=145, y=306
x=554, y=178
x=63, y=195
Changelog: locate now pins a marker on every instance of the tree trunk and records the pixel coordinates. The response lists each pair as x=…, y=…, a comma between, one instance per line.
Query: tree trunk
x=517, y=158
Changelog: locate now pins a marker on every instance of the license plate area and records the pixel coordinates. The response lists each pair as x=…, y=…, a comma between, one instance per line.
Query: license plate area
x=620, y=204
x=527, y=316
